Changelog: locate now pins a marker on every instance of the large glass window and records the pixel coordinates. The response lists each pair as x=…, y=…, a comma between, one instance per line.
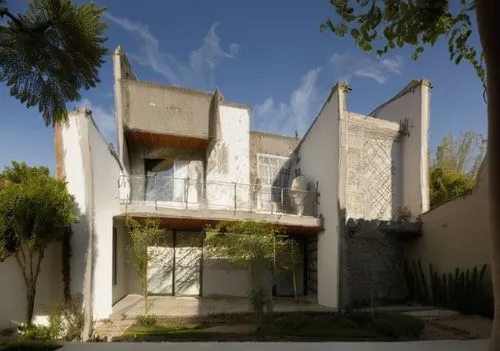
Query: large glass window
x=274, y=174
x=166, y=180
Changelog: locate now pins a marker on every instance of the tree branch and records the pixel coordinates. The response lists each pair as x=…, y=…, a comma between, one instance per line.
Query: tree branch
x=23, y=268
x=5, y=12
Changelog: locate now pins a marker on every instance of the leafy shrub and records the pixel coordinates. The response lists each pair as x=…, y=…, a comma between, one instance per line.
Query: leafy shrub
x=147, y=320
x=53, y=331
x=362, y=319
x=399, y=326
x=260, y=302
x=74, y=317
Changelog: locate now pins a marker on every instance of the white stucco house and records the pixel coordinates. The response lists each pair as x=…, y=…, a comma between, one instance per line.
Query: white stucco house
x=190, y=158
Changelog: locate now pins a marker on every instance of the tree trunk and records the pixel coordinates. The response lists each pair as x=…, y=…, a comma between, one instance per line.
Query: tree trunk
x=30, y=302
x=488, y=13
x=145, y=291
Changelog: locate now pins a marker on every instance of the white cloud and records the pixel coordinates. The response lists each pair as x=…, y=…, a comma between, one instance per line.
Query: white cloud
x=348, y=65
x=295, y=115
x=104, y=117
x=197, y=71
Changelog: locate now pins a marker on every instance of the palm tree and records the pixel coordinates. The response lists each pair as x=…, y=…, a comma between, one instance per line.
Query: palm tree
x=49, y=52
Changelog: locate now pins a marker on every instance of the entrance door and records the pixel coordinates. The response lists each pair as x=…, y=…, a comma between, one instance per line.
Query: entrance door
x=188, y=255
x=161, y=267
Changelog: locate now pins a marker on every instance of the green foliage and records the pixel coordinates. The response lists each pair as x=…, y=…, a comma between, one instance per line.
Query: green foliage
x=53, y=331
x=252, y=246
x=50, y=52
x=260, y=302
x=147, y=321
x=144, y=234
x=468, y=292
x=388, y=24
x=455, y=166
x=35, y=210
x=399, y=326
x=244, y=243
x=73, y=315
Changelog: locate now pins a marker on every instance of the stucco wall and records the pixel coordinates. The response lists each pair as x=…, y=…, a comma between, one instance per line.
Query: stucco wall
x=412, y=104
x=455, y=234
x=49, y=288
x=228, y=159
x=319, y=154
x=92, y=173
x=264, y=143
x=165, y=109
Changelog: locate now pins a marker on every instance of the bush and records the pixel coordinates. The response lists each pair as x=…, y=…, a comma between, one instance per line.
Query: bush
x=399, y=326
x=362, y=319
x=74, y=317
x=53, y=331
x=147, y=321
x=260, y=302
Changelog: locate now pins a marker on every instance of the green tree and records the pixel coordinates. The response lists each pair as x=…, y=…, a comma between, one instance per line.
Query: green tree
x=253, y=247
x=386, y=24
x=145, y=236
x=35, y=210
x=455, y=166
x=50, y=52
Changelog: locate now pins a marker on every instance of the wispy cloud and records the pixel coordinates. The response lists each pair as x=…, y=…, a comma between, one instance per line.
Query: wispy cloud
x=197, y=70
x=296, y=114
x=104, y=117
x=379, y=69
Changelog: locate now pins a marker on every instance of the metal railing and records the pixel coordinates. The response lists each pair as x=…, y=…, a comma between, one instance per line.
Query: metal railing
x=185, y=193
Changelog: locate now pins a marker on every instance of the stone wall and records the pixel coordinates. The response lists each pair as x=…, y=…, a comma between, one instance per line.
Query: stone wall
x=374, y=261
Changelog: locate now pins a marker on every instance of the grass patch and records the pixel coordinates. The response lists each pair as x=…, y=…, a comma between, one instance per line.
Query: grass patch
x=288, y=327
x=22, y=345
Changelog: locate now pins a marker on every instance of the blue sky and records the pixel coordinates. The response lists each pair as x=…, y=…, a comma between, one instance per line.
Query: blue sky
x=269, y=54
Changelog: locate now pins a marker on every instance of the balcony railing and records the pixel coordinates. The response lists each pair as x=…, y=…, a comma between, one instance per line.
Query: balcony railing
x=185, y=193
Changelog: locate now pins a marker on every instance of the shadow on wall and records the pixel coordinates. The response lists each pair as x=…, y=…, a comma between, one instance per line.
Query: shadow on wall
x=455, y=234
x=50, y=289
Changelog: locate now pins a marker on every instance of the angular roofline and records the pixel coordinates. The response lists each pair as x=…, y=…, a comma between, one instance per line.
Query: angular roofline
x=408, y=88
x=341, y=84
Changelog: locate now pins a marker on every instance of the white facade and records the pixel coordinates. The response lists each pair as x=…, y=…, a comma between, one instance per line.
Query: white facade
x=92, y=171
x=361, y=166
x=411, y=107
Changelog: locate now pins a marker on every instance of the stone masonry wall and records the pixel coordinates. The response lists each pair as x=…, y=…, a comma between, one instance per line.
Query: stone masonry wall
x=373, y=263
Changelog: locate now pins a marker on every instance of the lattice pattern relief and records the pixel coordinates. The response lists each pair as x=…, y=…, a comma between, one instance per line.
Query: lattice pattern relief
x=370, y=171
x=378, y=178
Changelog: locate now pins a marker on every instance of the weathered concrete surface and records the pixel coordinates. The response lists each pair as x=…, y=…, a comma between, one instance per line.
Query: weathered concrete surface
x=201, y=213
x=165, y=109
x=452, y=345
x=270, y=144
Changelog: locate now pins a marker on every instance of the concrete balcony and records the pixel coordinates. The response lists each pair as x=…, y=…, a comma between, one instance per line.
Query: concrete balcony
x=192, y=203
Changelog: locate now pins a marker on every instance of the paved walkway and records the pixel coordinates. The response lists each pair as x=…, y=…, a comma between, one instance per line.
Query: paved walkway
x=132, y=306
x=474, y=345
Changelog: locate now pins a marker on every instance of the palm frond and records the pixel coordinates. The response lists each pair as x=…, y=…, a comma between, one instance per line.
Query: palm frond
x=56, y=52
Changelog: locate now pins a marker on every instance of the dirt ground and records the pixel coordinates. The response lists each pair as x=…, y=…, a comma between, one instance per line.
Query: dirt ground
x=458, y=328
